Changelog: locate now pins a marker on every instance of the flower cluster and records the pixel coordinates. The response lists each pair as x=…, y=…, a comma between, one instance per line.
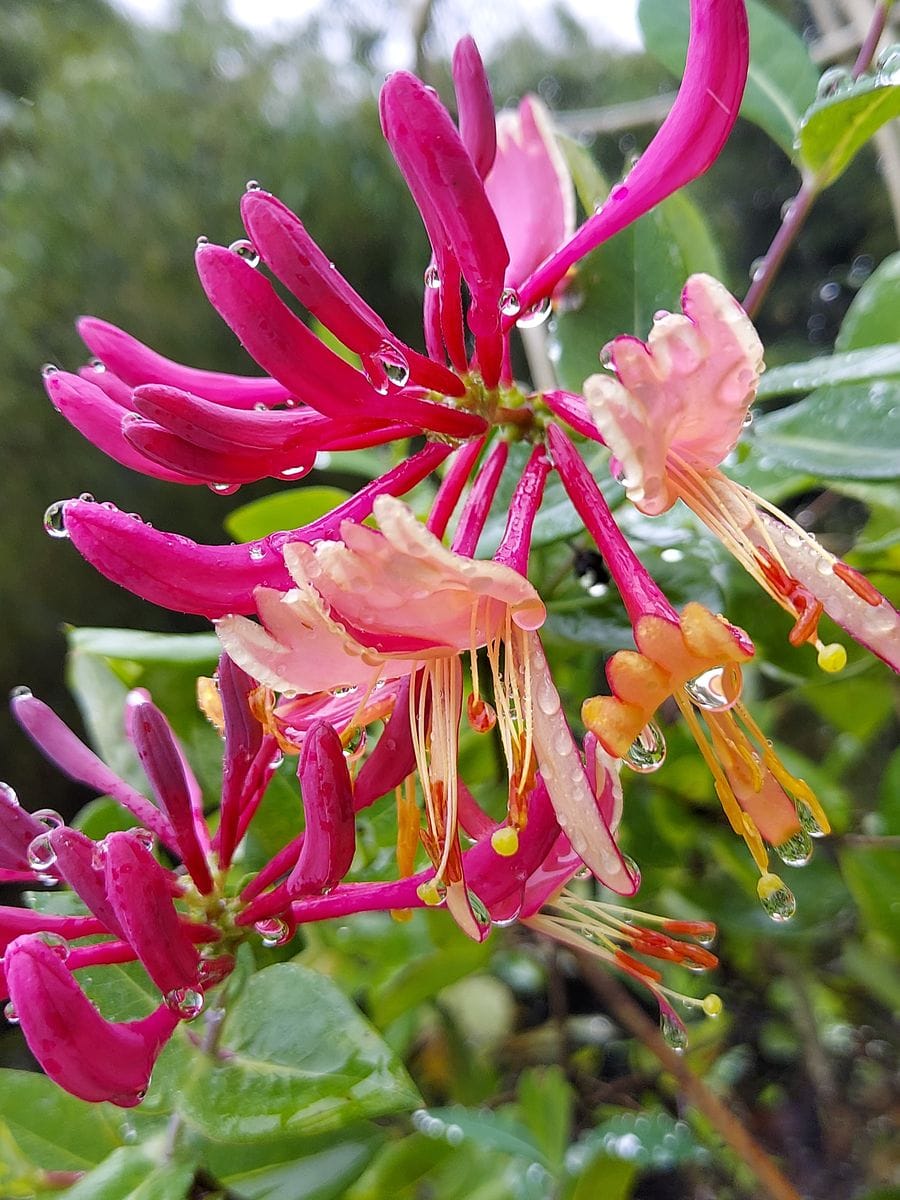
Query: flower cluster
x=366, y=617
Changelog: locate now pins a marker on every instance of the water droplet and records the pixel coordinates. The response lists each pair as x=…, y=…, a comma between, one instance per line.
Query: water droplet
x=55, y=519
x=776, y=898
x=606, y=357
x=187, y=1002
x=202, y=241
x=454, y=1135
x=432, y=277
x=808, y=820
x=97, y=364
x=49, y=817
x=888, y=65
x=21, y=692
x=647, y=752
x=339, y=692
x=748, y=419
x=756, y=269
x=510, y=304
x=797, y=850
x=145, y=837
x=98, y=856
x=224, y=489
x=274, y=931
x=49, y=369
x=40, y=853
x=661, y=314
x=715, y=690
x=276, y=760
x=252, y=185
x=479, y=910
x=9, y=1012
x=394, y=365
x=8, y=795
x=128, y=1133
x=834, y=81
x=257, y=553
x=355, y=745
x=536, y=315
x=673, y=1030
x=245, y=250
x=787, y=208
x=293, y=472
x=619, y=192
x=633, y=870
x=829, y=291
x=57, y=944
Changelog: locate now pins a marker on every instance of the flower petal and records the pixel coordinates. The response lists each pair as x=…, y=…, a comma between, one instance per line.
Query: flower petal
x=475, y=105
x=329, y=840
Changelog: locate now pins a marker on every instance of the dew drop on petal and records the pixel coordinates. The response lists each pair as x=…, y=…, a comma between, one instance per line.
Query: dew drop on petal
x=276, y=760
x=394, y=365
x=7, y=793
x=776, y=898
x=186, y=1002
x=510, y=304
x=145, y=837
x=49, y=817
x=633, y=870
x=808, y=820
x=606, y=357
x=647, y=752
x=797, y=850
x=224, y=489
x=536, y=315
x=55, y=520
x=748, y=419
x=713, y=691
x=292, y=472
x=245, y=250
x=432, y=277
x=274, y=931
x=40, y=853
x=97, y=364
x=202, y=241
x=619, y=192
x=57, y=944
x=257, y=553
x=9, y=1012
x=252, y=185
x=48, y=369
x=661, y=314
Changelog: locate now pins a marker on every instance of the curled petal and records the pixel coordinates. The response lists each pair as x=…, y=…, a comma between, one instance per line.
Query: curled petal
x=90, y=1057
x=475, y=104
x=18, y=829
x=134, y=363
x=58, y=743
x=76, y=861
x=530, y=189
x=140, y=891
x=687, y=142
x=685, y=393
x=90, y=410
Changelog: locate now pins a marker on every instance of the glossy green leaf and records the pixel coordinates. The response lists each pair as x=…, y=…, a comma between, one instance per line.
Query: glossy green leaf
x=294, y=1168
x=874, y=316
x=871, y=875
x=646, y=1140
x=133, y=1173
x=283, y=510
x=495, y=1131
x=546, y=1103
x=835, y=129
x=43, y=1128
x=297, y=1057
x=611, y=1178
x=195, y=650
x=425, y=976
x=849, y=431
x=782, y=80
x=856, y=366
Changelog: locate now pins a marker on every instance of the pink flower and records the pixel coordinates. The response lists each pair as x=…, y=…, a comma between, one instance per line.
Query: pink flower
x=673, y=412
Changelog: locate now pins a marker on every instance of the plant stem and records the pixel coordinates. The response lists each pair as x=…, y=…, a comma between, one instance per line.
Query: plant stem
x=795, y=217
x=726, y=1124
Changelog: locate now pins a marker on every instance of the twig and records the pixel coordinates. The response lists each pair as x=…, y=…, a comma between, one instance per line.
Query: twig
x=729, y=1128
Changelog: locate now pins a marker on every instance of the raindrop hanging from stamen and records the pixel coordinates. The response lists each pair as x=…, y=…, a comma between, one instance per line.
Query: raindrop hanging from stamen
x=647, y=752
x=673, y=1029
x=776, y=898
x=797, y=850
x=809, y=821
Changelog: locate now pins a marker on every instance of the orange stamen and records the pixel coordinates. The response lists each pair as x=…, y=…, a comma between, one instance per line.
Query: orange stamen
x=638, y=969
x=857, y=582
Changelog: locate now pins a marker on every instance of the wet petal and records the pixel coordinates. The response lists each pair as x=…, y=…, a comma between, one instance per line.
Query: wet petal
x=329, y=839
x=475, y=105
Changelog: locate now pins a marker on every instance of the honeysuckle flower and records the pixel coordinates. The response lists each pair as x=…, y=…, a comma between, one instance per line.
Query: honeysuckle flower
x=695, y=657
x=395, y=603
x=670, y=416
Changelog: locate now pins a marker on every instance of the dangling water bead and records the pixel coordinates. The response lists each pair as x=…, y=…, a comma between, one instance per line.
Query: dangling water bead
x=647, y=752
x=887, y=69
x=187, y=1002
x=274, y=931
x=224, y=489
x=9, y=1012
x=832, y=81
x=245, y=250
x=55, y=520
x=432, y=277
x=48, y=369
x=536, y=315
x=776, y=898
x=252, y=185
x=715, y=690
x=809, y=821
x=510, y=304
x=394, y=365
x=673, y=1030
x=797, y=850
x=49, y=817
x=40, y=853
x=57, y=944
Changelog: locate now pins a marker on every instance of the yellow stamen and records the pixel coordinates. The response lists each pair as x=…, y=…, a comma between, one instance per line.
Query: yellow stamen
x=505, y=841
x=832, y=658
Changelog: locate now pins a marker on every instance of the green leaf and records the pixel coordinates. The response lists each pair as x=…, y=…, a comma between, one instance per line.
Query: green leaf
x=871, y=875
x=193, y=650
x=294, y=1168
x=43, y=1128
x=495, y=1131
x=297, y=1057
x=611, y=1178
x=849, y=431
x=283, y=510
x=781, y=84
x=590, y=183
x=424, y=977
x=874, y=316
x=836, y=128
x=132, y=1173
x=546, y=1102
x=856, y=366
x=647, y=1140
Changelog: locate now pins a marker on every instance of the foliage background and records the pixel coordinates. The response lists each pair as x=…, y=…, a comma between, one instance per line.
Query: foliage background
x=119, y=145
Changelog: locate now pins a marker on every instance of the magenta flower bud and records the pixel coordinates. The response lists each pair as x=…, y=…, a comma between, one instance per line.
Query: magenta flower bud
x=330, y=837
x=477, y=126
x=18, y=829
x=90, y=1057
x=76, y=861
x=140, y=891
x=164, y=766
